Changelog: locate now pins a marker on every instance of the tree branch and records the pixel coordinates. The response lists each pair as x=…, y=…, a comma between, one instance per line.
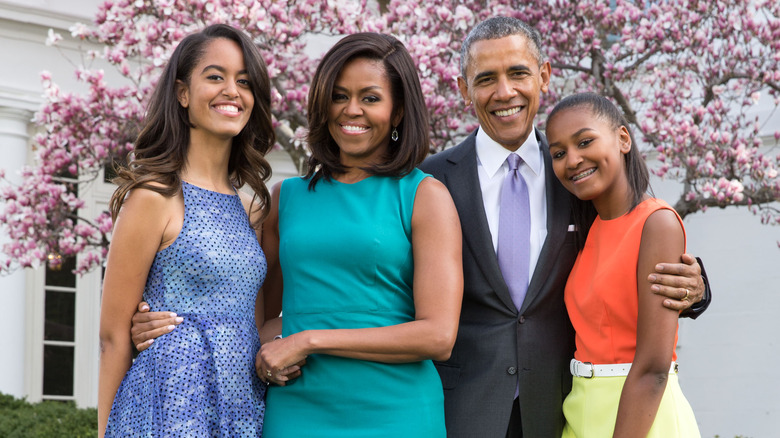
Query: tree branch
x=765, y=195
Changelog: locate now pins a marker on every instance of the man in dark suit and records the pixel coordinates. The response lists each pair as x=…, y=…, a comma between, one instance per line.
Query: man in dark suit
x=509, y=369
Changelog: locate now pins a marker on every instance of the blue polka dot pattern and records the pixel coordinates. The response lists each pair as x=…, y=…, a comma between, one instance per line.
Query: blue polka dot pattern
x=199, y=380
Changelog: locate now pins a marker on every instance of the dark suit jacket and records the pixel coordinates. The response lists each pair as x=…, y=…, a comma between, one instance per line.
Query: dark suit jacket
x=496, y=344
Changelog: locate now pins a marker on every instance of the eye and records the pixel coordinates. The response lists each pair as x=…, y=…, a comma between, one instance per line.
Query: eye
x=214, y=77
x=371, y=99
x=584, y=143
x=245, y=82
x=339, y=97
x=483, y=80
x=558, y=154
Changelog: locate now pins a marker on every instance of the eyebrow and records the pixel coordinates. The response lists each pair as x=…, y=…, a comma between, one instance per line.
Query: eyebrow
x=362, y=90
x=573, y=135
x=483, y=74
x=220, y=69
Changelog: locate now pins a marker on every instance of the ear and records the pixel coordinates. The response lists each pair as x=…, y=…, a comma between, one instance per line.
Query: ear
x=624, y=140
x=464, y=90
x=182, y=93
x=545, y=71
x=398, y=116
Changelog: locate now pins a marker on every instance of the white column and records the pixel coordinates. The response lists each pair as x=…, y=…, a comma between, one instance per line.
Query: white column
x=13, y=152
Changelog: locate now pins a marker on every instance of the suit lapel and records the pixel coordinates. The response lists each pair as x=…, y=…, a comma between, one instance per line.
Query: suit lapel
x=558, y=219
x=463, y=182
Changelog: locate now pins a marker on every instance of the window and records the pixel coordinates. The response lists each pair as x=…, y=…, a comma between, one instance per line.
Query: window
x=59, y=330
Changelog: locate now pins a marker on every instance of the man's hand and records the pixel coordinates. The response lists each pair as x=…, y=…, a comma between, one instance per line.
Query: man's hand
x=681, y=283
x=150, y=325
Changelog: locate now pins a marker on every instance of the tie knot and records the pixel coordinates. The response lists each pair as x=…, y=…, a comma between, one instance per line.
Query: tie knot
x=514, y=161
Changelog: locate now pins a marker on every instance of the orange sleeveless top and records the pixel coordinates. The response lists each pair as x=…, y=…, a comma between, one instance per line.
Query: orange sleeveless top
x=601, y=292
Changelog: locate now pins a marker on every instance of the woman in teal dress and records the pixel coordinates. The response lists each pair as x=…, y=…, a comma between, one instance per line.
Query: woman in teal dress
x=369, y=248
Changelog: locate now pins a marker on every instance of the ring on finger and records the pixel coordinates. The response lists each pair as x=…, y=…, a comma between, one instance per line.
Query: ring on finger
x=687, y=294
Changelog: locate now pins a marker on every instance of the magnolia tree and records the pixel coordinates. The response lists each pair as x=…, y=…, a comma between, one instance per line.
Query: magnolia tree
x=688, y=75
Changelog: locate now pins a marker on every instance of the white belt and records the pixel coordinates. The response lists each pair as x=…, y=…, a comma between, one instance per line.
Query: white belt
x=589, y=370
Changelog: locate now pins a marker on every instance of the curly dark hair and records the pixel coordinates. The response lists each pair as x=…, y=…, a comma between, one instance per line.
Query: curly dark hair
x=161, y=148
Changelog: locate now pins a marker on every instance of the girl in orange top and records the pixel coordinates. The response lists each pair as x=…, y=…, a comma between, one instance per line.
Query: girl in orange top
x=625, y=378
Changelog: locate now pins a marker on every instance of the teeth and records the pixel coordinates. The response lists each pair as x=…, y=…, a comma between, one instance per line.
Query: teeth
x=353, y=128
x=227, y=108
x=579, y=176
x=507, y=112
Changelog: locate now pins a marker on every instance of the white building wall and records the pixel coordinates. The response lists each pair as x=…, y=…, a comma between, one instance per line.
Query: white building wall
x=13, y=150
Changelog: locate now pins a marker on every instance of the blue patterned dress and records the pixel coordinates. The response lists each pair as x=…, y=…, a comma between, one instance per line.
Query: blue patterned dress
x=199, y=380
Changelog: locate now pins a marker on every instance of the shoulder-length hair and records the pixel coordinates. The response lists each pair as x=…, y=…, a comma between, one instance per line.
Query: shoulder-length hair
x=413, y=141
x=636, y=169
x=161, y=147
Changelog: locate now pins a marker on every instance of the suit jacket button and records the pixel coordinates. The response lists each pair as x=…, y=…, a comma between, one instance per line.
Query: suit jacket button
x=511, y=371
x=521, y=320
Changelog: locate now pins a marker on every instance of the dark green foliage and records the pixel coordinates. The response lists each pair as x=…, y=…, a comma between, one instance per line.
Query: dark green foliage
x=48, y=419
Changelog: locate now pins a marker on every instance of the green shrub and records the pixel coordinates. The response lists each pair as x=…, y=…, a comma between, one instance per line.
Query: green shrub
x=48, y=419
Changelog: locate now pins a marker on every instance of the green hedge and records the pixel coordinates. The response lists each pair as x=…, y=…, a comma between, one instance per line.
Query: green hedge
x=19, y=419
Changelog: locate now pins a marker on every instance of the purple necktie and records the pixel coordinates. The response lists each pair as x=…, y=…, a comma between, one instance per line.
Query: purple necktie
x=514, y=230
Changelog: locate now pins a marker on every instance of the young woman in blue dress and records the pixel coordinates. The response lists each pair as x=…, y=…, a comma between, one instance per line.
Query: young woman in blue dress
x=185, y=240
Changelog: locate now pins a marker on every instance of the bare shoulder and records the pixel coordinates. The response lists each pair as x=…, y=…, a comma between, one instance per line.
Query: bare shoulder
x=433, y=201
x=144, y=198
x=434, y=189
x=662, y=237
x=662, y=222
x=276, y=188
x=150, y=213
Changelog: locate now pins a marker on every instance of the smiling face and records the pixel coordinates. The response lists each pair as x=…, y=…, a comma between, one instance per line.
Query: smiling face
x=588, y=157
x=504, y=82
x=219, y=96
x=361, y=112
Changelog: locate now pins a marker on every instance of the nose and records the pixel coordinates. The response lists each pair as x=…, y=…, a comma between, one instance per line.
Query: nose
x=573, y=159
x=353, y=108
x=230, y=90
x=504, y=89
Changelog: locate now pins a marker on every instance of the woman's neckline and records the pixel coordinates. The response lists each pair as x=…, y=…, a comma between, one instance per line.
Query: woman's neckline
x=210, y=191
x=625, y=213
x=355, y=182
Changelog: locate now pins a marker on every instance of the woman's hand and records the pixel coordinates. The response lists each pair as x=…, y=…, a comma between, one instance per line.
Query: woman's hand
x=147, y=326
x=280, y=361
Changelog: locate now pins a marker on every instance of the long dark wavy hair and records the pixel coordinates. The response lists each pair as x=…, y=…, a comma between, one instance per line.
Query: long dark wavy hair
x=636, y=169
x=413, y=142
x=161, y=148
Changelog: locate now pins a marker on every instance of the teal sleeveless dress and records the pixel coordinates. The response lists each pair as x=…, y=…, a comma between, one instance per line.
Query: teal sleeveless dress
x=346, y=257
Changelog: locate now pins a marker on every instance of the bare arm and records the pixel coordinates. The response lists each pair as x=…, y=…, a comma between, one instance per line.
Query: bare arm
x=438, y=291
x=662, y=240
x=273, y=285
x=136, y=238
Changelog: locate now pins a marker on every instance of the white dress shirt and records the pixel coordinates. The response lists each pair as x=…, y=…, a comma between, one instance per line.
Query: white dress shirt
x=492, y=168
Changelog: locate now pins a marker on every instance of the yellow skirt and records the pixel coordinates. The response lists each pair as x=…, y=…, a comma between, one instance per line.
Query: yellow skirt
x=591, y=410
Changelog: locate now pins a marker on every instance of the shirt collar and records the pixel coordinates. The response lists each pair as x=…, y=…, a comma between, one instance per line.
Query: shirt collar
x=492, y=155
